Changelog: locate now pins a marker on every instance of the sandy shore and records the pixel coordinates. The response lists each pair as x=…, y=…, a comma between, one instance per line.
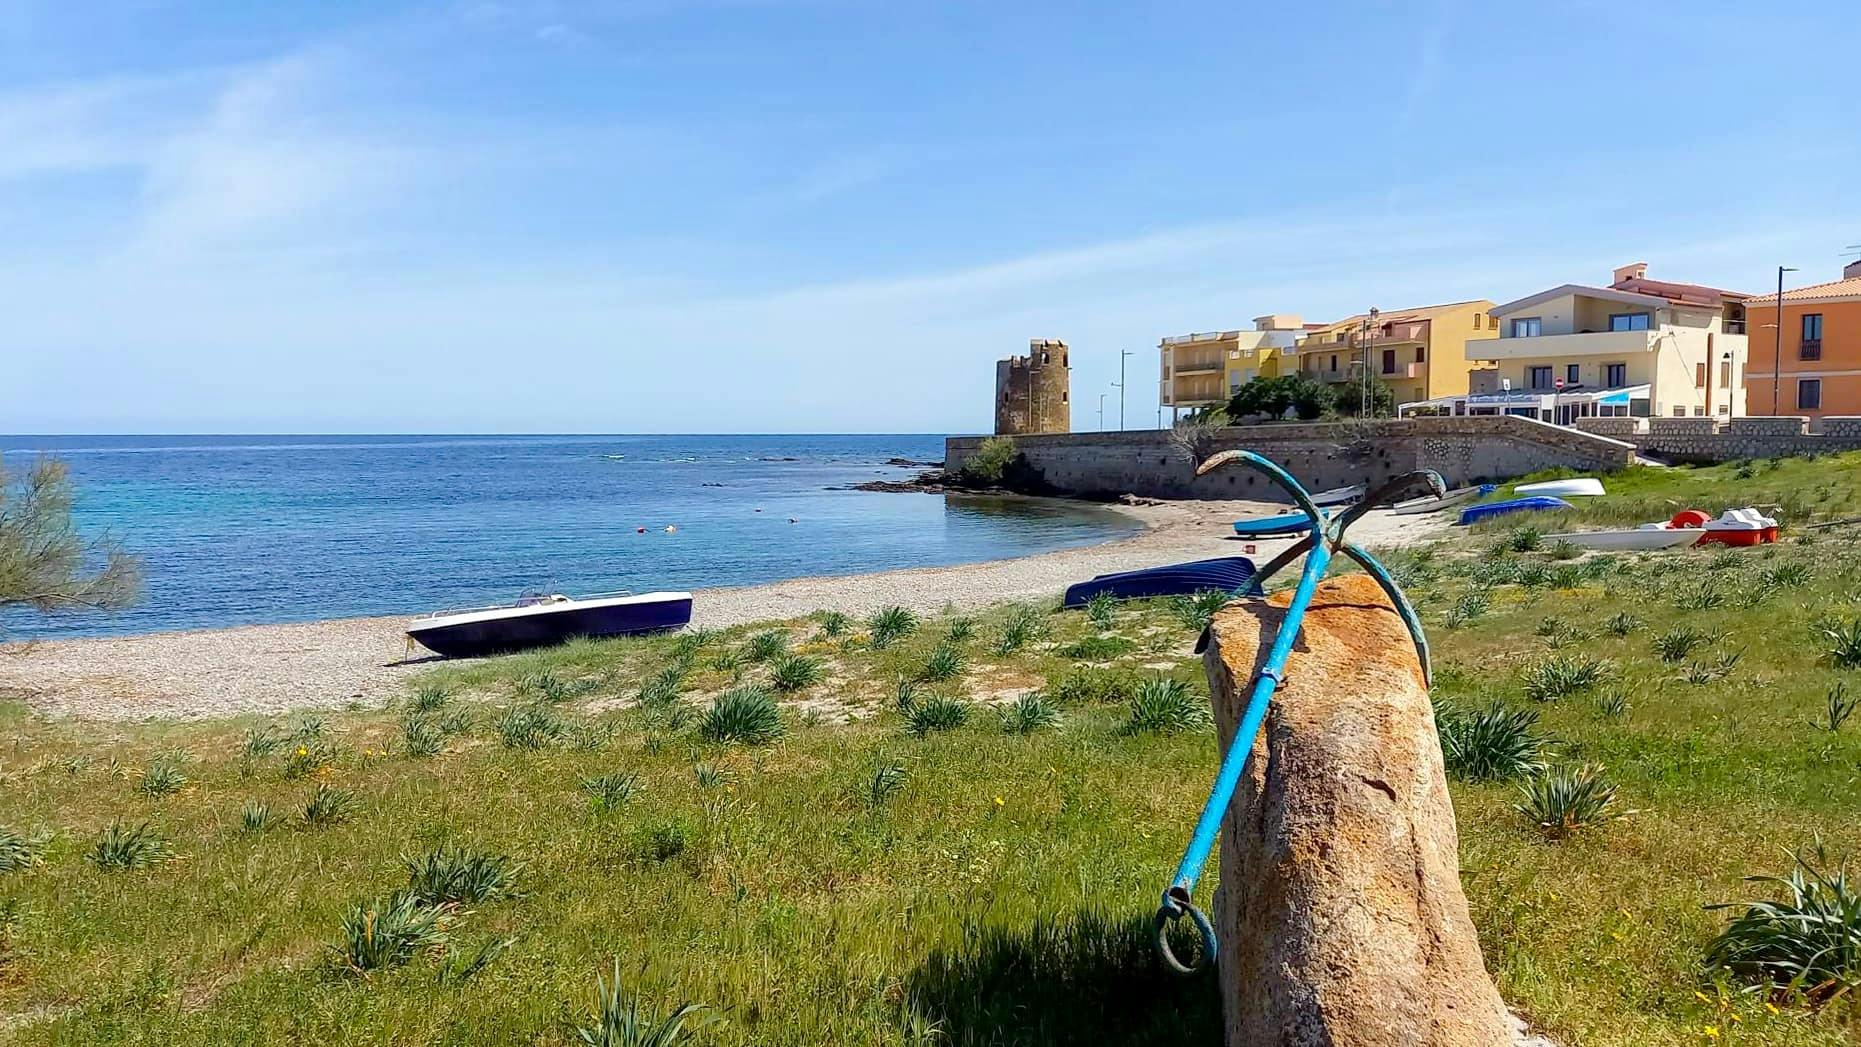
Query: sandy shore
x=269, y=669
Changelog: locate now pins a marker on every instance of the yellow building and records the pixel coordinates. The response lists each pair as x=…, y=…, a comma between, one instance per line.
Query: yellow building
x=1420, y=353
x=1204, y=369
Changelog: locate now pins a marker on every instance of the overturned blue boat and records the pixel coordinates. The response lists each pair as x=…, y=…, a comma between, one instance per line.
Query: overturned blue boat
x=1229, y=574
x=540, y=621
x=1476, y=513
x=1275, y=526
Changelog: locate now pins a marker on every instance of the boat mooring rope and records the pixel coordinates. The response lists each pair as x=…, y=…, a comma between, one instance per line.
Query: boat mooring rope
x=1318, y=547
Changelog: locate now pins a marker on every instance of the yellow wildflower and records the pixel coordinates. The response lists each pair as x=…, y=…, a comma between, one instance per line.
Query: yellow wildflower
x=1000, y=802
x=301, y=751
x=1711, y=1031
x=1703, y=998
x=1772, y=1008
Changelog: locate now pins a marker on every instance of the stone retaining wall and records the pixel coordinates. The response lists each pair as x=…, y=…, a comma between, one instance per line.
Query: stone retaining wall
x=1704, y=440
x=1320, y=455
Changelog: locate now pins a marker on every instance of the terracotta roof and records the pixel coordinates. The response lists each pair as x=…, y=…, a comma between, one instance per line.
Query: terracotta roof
x=1690, y=294
x=1849, y=288
x=1402, y=316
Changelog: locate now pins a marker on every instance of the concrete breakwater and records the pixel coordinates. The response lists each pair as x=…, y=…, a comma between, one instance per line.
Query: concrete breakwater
x=1321, y=454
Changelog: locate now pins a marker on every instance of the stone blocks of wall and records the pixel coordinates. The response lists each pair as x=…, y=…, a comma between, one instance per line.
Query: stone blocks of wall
x=1660, y=427
x=1761, y=425
x=1620, y=428
x=1845, y=426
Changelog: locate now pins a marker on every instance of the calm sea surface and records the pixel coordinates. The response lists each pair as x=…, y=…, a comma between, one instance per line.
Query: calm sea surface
x=246, y=529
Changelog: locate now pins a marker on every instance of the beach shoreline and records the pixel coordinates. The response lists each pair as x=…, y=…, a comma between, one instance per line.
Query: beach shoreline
x=272, y=669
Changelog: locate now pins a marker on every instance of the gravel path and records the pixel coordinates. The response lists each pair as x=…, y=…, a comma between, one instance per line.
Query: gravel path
x=268, y=669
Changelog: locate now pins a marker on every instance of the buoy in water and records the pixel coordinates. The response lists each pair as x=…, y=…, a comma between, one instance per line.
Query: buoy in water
x=639, y=530
x=793, y=520
x=671, y=529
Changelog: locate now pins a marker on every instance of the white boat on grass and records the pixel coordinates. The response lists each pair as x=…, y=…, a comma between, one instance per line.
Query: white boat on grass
x=1339, y=495
x=1653, y=536
x=1432, y=504
x=1585, y=486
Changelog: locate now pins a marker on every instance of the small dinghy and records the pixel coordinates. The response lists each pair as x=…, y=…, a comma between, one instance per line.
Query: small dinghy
x=1339, y=495
x=1575, y=487
x=1740, y=527
x=1435, y=505
x=539, y=621
x=1647, y=536
x=1274, y=526
x=1476, y=513
x=1230, y=574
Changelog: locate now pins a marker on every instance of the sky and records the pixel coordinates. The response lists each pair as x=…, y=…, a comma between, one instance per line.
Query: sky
x=834, y=216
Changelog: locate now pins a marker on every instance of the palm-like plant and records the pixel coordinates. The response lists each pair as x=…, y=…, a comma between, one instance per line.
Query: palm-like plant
x=621, y=1021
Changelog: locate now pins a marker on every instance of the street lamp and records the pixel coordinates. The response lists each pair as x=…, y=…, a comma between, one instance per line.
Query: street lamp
x=1777, y=362
x=1369, y=322
x=1124, y=355
x=1101, y=412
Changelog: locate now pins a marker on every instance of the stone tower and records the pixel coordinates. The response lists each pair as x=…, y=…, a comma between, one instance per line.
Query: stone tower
x=1032, y=391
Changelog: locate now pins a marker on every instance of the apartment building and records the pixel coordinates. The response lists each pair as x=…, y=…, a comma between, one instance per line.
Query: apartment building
x=1422, y=353
x=1638, y=347
x=1811, y=363
x=1205, y=369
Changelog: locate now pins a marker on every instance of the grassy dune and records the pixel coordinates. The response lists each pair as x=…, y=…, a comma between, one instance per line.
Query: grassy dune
x=891, y=872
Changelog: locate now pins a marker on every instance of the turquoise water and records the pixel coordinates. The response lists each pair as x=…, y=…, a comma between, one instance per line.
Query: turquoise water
x=244, y=529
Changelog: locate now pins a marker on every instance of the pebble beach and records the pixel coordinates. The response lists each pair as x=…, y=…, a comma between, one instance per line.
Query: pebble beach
x=271, y=669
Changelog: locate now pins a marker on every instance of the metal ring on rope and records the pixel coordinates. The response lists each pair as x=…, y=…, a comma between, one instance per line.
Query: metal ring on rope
x=1176, y=905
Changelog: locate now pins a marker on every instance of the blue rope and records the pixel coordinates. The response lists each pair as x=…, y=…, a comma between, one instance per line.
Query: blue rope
x=1323, y=543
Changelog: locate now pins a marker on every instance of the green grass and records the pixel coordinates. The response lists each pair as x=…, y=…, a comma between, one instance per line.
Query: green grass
x=847, y=882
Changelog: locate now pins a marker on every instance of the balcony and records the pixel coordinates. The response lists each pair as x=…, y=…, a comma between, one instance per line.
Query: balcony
x=1598, y=343
x=1188, y=367
x=1809, y=349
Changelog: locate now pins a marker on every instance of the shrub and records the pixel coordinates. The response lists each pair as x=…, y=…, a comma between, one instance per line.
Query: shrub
x=1792, y=575
x=1702, y=597
x=455, y=876
x=619, y=1020
x=663, y=687
x=1563, y=800
x=529, y=727
x=1807, y=940
x=990, y=461
x=1838, y=707
x=1841, y=640
x=260, y=742
x=1563, y=549
x=906, y=698
x=1024, y=626
x=745, y=714
x=944, y=663
x=1098, y=648
x=1612, y=704
x=257, y=817
x=961, y=630
x=709, y=775
x=1524, y=539
x=1491, y=743
x=1678, y=642
x=328, y=806
x=1101, y=609
x=834, y=624
x=161, y=778
x=309, y=753
x=891, y=625
x=793, y=672
x=664, y=841
x=421, y=737
x=19, y=852
x=1471, y=606
x=386, y=932
x=1197, y=610
x=1550, y=678
x=1621, y=623
x=766, y=646
x=883, y=782
x=547, y=686
x=609, y=792
x=128, y=847
x=1029, y=713
x=429, y=697
x=1165, y=706
x=936, y=713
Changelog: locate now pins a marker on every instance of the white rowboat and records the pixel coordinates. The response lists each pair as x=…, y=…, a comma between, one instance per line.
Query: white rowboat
x=1639, y=538
x=1576, y=485
x=1435, y=505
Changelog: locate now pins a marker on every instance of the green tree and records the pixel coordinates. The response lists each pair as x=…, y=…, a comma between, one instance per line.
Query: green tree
x=1382, y=399
x=990, y=461
x=44, y=563
x=1312, y=399
x=1297, y=392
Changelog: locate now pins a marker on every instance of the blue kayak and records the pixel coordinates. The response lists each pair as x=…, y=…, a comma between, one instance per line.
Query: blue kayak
x=1476, y=513
x=1230, y=574
x=1271, y=526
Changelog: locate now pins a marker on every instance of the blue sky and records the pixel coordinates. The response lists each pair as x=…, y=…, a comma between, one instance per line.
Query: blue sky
x=783, y=215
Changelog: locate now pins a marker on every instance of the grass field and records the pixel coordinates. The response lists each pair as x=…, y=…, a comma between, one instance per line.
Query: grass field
x=947, y=864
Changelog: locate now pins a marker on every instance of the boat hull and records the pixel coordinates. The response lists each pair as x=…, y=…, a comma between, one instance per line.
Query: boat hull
x=1578, y=486
x=1448, y=500
x=1339, y=495
x=551, y=624
x=1234, y=574
x=1639, y=538
x=1476, y=513
x=1275, y=526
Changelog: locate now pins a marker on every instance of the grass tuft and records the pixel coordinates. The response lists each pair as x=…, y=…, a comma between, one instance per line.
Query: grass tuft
x=257, y=817
x=1198, y=609
x=1550, y=678
x=1162, y=705
x=746, y=714
x=19, y=852
x=1098, y=648
x=1101, y=609
x=1841, y=642
x=890, y=625
x=1491, y=743
x=1837, y=706
x=1031, y=712
x=529, y=727
x=835, y=624
x=1808, y=940
x=1678, y=642
x=610, y=792
x=795, y=672
x=328, y=805
x=1024, y=626
x=944, y=663
x=883, y=782
x=457, y=875
x=123, y=846
x=163, y=777
x=621, y=1021
x=766, y=646
x=935, y=714
x=387, y=932
x=1563, y=800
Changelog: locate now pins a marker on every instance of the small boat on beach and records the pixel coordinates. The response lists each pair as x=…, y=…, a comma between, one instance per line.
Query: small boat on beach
x=539, y=621
x=1230, y=574
x=1435, y=505
x=1740, y=527
x=1647, y=536
x=1339, y=495
x=1576, y=486
x=1476, y=513
x=1275, y=526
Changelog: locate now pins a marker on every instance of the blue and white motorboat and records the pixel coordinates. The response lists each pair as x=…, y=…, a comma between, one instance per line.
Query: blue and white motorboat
x=1228, y=574
x=1276, y=526
x=1488, y=510
x=539, y=621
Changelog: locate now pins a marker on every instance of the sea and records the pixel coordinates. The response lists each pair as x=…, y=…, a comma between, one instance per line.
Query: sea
x=236, y=530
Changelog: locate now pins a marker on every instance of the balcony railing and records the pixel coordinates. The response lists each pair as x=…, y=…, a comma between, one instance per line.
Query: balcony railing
x=1734, y=327
x=1809, y=349
x=1197, y=366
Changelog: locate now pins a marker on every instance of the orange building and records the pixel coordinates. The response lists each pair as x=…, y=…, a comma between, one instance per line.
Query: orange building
x=1815, y=369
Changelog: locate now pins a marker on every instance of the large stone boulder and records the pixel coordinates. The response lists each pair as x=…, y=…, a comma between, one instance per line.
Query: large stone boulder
x=1340, y=912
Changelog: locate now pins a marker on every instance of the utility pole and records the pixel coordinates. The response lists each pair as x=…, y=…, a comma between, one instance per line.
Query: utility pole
x=1369, y=324
x=1777, y=361
x=1123, y=355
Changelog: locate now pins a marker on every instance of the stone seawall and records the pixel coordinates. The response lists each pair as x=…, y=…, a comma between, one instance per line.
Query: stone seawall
x=1320, y=455
x=1705, y=440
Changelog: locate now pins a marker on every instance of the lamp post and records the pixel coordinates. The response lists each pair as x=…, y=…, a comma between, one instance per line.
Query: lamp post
x=1777, y=361
x=1123, y=355
x=1364, y=400
x=1101, y=412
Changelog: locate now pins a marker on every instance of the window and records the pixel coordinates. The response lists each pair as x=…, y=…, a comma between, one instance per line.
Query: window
x=1572, y=375
x=1615, y=376
x=1334, y=361
x=1628, y=321
x=1640, y=408
x=1538, y=377
x=1809, y=347
x=1043, y=356
x=1421, y=354
x=1680, y=411
x=1809, y=394
x=1389, y=361
x=1699, y=375
x=1725, y=374
x=1528, y=327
